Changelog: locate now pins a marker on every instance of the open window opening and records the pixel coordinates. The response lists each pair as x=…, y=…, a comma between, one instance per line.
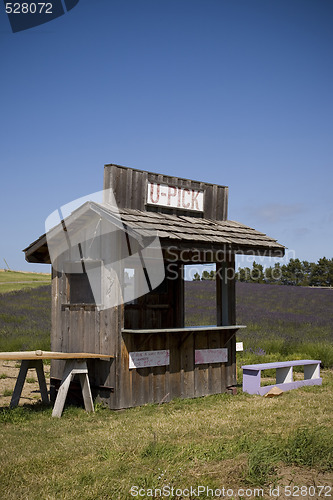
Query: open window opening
x=200, y=295
x=129, y=286
x=79, y=289
x=84, y=283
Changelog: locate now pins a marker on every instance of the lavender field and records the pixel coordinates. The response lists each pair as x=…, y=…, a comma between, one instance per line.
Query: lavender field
x=25, y=319
x=282, y=321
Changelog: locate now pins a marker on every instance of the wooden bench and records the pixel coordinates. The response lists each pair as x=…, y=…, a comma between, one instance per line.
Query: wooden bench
x=284, y=375
x=76, y=364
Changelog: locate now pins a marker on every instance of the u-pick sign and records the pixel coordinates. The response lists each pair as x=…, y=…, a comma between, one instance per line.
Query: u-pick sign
x=183, y=198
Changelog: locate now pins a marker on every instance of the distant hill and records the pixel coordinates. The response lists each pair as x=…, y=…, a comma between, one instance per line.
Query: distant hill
x=20, y=280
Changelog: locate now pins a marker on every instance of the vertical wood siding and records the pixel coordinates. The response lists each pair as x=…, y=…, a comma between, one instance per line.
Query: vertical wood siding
x=129, y=187
x=82, y=327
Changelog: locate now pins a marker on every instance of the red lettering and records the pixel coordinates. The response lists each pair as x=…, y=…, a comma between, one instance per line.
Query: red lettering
x=195, y=195
x=158, y=189
x=179, y=197
x=171, y=194
x=185, y=205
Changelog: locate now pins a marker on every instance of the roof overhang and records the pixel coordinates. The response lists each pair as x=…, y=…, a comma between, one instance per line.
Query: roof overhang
x=180, y=233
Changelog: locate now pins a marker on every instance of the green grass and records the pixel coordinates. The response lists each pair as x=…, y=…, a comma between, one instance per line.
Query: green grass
x=279, y=350
x=7, y=392
x=232, y=441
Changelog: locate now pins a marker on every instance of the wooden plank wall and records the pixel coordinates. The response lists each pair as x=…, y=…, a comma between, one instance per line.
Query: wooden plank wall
x=182, y=378
x=129, y=187
x=85, y=328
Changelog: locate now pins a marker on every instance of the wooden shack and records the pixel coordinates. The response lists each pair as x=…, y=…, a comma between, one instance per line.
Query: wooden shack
x=155, y=357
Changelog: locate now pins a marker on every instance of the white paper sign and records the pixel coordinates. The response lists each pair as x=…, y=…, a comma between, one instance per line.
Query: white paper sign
x=175, y=197
x=203, y=356
x=239, y=346
x=144, y=359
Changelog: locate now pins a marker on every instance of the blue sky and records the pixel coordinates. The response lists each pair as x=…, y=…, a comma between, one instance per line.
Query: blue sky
x=237, y=93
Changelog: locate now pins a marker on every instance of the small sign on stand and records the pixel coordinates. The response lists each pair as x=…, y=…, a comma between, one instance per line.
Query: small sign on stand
x=239, y=346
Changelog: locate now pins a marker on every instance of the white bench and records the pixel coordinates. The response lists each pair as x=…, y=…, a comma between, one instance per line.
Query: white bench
x=284, y=376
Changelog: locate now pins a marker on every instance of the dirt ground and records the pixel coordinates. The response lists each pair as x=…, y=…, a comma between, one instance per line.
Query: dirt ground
x=8, y=374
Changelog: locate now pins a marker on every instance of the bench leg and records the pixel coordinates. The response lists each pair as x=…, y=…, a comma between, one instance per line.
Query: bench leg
x=19, y=383
x=85, y=386
x=311, y=371
x=73, y=367
x=251, y=381
x=26, y=364
x=63, y=389
x=41, y=380
x=284, y=375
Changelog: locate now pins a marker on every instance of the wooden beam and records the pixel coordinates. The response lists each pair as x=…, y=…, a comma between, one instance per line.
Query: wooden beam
x=33, y=355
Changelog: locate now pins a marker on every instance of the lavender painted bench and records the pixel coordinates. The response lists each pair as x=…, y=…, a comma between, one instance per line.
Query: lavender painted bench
x=284, y=375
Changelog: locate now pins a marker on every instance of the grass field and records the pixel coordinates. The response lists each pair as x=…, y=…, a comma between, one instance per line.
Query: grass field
x=16, y=280
x=236, y=442
x=25, y=319
x=218, y=441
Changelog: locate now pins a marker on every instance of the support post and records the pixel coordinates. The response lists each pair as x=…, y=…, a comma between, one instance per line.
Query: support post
x=222, y=298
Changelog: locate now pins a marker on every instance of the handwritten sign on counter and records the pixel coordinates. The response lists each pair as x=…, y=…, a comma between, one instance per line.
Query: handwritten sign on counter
x=203, y=356
x=144, y=359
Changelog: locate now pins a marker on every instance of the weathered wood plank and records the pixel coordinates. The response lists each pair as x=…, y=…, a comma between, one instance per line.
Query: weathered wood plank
x=214, y=369
x=180, y=331
x=174, y=382
x=187, y=366
x=201, y=370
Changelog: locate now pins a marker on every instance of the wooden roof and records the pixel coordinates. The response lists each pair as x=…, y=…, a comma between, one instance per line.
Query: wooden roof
x=176, y=230
x=192, y=230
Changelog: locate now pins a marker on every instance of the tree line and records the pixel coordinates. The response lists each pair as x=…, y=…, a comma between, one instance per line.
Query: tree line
x=296, y=272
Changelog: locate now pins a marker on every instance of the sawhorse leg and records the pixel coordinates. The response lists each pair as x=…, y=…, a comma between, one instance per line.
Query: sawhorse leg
x=73, y=367
x=25, y=365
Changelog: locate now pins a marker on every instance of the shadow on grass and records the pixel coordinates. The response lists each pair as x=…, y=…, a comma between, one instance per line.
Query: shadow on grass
x=28, y=411
x=23, y=413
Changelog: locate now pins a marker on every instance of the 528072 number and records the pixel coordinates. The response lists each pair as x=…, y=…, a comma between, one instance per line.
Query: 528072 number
x=28, y=8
